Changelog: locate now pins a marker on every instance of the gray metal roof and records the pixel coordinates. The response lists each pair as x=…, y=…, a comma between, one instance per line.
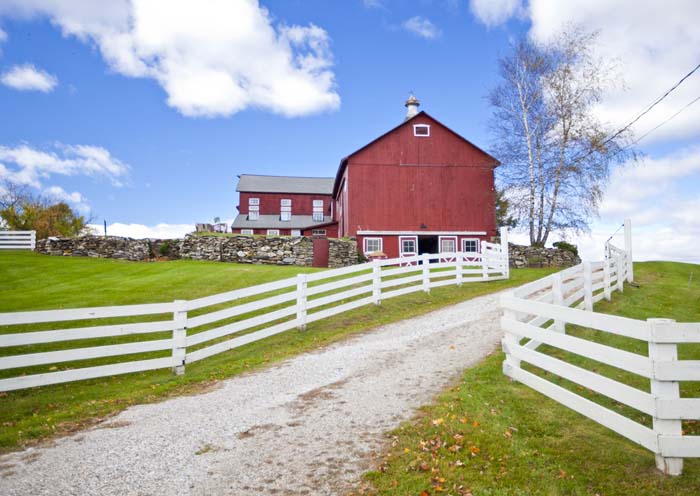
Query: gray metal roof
x=273, y=222
x=285, y=184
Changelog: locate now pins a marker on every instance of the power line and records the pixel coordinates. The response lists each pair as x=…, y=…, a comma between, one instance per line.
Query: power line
x=651, y=105
x=662, y=123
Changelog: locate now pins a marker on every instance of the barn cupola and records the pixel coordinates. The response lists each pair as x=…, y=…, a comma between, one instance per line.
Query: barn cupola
x=412, y=105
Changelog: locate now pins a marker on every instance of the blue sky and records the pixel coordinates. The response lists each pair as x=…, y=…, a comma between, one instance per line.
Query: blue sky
x=142, y=114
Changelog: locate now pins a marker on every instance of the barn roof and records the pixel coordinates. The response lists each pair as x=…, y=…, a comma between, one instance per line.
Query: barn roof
x=273, y=222
x=251, y=183
x=344, y=161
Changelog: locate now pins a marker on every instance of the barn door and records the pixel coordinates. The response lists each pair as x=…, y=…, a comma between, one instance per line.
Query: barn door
x=321, y=246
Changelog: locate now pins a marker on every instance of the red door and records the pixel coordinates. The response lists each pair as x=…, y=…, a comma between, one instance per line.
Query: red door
x=321, y=252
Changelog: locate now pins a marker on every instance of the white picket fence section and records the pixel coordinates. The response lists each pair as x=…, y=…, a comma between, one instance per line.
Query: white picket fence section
x=17, y=240
x=288, y=303
x=538, y=313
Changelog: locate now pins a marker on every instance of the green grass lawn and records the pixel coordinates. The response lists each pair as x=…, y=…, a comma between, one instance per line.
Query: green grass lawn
x=489, y=436
x=30, y=281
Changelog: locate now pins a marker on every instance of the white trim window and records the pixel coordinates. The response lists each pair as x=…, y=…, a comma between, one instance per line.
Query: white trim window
x=421, y=130
x=285, y=210
x=317, y=215
x=273, y=232
x=470, y=245
x=253, y=208
x=372, y=245
x=248, y=232
x=318, y=232
x=408, y=245
x=296, y=232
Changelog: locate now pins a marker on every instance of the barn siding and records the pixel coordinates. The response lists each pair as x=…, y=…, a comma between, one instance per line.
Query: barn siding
x=302, y=204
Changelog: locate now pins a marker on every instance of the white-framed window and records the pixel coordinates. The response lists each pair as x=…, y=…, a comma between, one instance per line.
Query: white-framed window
x=253, y=201
x=296, y=232
x=246, y=231
x=253, y=212
x=371, y=245
x=285, y=210
x=318, y=232
x=470, y=245
x=273, y=232
x=448, y=244
x=421, y=130
x=408, y=245
x=318, y=211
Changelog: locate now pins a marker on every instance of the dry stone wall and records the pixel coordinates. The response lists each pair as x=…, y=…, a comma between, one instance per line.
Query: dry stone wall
x=533, y=256
x=240, y=249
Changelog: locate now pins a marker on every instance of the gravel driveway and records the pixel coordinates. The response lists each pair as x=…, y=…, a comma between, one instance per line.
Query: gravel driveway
x=306, y=426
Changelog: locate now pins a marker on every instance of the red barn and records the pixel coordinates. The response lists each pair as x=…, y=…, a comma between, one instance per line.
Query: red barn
x=419, y=188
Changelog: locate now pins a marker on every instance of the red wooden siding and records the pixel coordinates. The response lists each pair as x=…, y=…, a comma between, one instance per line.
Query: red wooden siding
x=302, y=204
x=402, y=182
x=390, y=243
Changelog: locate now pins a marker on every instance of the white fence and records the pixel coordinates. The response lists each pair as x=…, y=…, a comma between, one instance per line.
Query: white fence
x=17, y=240
x=183, y=332
x=538, y=313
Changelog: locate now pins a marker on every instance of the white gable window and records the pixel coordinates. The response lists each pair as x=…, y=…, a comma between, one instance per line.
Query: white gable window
x=371, y=245
x=421, y=130
x=285, y=210
x=273, y=232
x=318, y=211
x=247, y=231
x=470, y=245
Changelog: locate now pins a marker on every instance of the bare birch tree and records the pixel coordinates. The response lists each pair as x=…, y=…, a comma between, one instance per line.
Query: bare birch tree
x=555, y=152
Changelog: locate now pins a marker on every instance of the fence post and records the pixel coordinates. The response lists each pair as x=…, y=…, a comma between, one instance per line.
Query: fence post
x=376, y=282
x=484, y=265
x=664, y=390
x=558, y=299
x=505, y=257
x=460, y=267
x=426, y=272
x=618, y=275
x=302, y=284
x=628, y=250
x=509, y=339
x=179, y=336
x=606, y=278
x=587, y=287
x=32, y=240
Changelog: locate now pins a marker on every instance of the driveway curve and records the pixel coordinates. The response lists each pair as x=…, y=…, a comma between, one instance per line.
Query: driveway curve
x=309, y=425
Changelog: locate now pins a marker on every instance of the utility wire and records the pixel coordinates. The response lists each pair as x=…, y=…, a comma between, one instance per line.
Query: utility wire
x=651, y=105
x=662, y=123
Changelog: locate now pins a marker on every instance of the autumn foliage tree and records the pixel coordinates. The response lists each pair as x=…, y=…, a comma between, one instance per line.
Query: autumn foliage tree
x=22, y=211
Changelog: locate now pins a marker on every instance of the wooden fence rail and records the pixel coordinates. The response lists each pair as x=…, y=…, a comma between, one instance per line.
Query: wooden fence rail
x=539, y=312
x=17, y=240
x=182, y=332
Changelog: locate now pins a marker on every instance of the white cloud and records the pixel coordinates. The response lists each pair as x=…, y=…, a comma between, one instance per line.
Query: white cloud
x=655, y=44
x=212, y=59
x=373, y=4
x=3, y=36
x=27, y=77
x=422, y=27
x=74, y=199
x=494, y=12
x=27, y=165
x=140, y=231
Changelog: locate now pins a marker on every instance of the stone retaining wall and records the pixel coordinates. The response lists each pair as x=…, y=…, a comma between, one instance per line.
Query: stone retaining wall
x=241, y=249
x=531, y=256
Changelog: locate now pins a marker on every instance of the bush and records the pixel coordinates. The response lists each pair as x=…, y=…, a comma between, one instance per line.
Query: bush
x=563, y=245
x=164, y=248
